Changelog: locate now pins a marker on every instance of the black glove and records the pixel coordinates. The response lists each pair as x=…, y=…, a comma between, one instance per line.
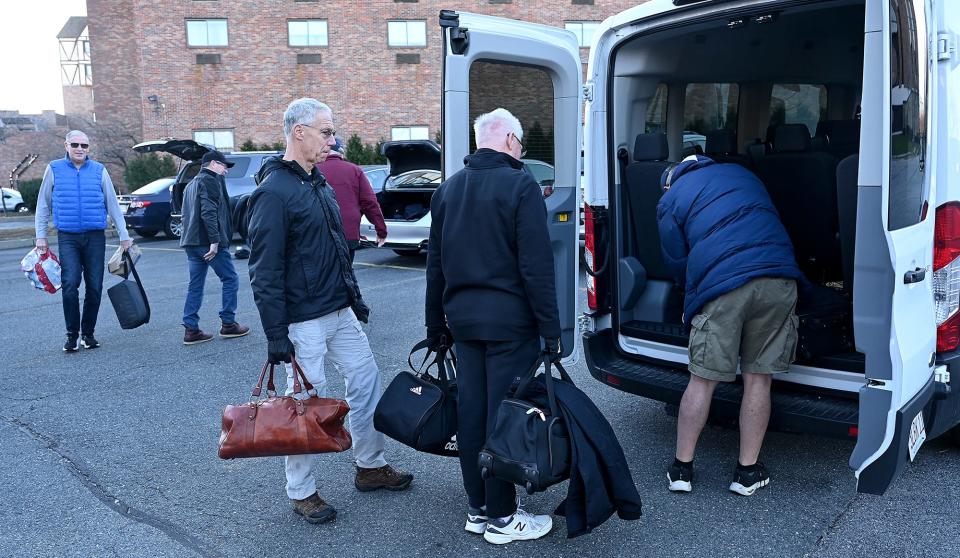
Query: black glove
x=551, y=349
x=279, y=350
x=439, y=338
x=361, y=310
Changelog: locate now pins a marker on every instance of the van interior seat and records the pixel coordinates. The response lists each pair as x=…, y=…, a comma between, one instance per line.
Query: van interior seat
x=803, y=186
x=643, y=191
x=722, y=148
x=843, y=136
x=847, y=172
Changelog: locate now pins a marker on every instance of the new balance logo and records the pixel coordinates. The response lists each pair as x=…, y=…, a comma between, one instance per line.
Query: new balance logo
x=521, y=526
x=416, y=390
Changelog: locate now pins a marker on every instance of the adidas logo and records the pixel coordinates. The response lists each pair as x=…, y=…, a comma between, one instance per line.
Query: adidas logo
x=416, y=390
x=452, y=444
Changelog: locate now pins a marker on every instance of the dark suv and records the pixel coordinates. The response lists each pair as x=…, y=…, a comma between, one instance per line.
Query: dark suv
x=239, y=178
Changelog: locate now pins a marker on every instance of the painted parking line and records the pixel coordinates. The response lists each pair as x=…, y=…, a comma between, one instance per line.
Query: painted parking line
x=388, y=266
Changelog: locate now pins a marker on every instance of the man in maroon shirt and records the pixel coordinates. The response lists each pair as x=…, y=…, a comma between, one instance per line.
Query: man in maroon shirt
x=354, y=195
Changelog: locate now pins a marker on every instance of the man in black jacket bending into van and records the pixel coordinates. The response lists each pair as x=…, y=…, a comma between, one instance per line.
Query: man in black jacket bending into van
x=309, y=302
x=490, y=286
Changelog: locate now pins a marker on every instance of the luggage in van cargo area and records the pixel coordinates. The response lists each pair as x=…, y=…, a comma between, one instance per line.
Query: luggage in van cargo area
x=826, y=323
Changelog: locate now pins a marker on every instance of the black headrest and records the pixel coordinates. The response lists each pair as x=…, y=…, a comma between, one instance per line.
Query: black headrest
x=721, y=142
x=651, y=147
x=791, y=138
x=844, y=131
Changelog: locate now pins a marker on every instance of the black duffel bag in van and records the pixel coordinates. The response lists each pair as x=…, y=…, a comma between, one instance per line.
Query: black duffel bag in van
x=529, y=446
x=129, y=299
x=420, y=410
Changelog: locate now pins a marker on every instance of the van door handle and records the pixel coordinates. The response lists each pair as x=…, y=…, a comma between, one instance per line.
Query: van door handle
x=914, y=276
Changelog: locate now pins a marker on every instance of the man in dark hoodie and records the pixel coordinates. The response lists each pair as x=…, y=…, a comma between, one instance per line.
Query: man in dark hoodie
x=723, y=241
x=490, y=286
x=309, y=302
x=206, y=239
x=354, y=196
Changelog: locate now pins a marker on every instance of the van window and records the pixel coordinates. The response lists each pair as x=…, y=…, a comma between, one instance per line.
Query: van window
x=707, y=107
x=656, y=120
x=527, y=92
x=240, y=166
x=798, y=103
x=908, y=87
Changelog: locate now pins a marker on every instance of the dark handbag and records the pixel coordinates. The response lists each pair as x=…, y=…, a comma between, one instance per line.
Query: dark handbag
x=284, y=425
x=529, y=446
x=129, y=300
x=420, y=410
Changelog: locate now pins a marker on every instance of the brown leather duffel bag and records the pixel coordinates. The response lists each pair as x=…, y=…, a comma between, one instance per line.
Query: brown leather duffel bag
x=284, y=425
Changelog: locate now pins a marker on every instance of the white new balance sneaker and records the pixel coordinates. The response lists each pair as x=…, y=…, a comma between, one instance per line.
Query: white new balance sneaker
x=521, y=526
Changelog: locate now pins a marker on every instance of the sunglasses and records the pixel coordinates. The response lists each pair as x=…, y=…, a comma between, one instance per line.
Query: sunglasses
x=80, y=145
x=523, y=149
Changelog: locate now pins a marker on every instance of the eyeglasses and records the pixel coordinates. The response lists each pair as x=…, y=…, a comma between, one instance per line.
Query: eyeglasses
x=523, y=150
x=327, y=133
x=80, y=145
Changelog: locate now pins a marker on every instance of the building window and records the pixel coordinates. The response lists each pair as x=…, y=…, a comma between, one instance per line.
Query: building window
x=583, y=30
x=398, y=133
x=407, y=33
x=207, y=32
x=221, y=139
x=307, y=33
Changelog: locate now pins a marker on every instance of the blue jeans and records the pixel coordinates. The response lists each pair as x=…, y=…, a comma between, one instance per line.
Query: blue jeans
x=222, y=265
x=81, y=256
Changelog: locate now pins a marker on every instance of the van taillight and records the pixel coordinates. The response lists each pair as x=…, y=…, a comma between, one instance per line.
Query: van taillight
x=946, y=276
x=589, y=247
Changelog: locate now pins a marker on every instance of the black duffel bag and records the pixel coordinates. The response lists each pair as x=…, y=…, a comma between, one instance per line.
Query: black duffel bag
x=529, y=446
x=129, y=299
x=420, y=410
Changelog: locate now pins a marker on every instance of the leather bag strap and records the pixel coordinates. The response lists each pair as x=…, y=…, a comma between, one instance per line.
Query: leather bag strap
x=136, y=276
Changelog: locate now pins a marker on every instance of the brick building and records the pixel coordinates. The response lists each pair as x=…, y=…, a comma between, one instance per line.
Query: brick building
x=222, y=71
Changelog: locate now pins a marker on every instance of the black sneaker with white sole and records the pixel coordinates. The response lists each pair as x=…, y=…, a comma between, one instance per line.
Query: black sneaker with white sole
x=680, y=476
x=73, y=343
x=747, y=480
x=89, y=342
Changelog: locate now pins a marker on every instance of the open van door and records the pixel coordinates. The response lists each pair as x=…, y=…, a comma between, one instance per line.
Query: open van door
x=894, y=318
x=534, y=71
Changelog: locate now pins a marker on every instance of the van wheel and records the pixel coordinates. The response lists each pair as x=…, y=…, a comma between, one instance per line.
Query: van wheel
x=173, y=227
x=406, y=251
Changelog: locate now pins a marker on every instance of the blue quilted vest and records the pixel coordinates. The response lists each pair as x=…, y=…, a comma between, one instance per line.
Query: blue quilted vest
x=78, y=203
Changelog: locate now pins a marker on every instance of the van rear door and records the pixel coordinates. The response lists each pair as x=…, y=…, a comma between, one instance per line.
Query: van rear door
x=893, y=294
x=534, y=71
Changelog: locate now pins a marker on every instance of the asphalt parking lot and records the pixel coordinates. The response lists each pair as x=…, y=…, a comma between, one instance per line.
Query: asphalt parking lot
x=112, y=452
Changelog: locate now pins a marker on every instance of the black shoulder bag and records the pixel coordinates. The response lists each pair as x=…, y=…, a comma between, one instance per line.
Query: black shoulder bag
x=529, y=445
x=129, y=299
x=420, y=410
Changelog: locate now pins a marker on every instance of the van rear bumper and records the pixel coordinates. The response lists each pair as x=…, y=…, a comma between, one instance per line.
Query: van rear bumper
x=825, y=414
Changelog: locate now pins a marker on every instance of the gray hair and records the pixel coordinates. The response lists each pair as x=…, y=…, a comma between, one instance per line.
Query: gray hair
x=496, y=120
x=74, y=133
x=302, y=111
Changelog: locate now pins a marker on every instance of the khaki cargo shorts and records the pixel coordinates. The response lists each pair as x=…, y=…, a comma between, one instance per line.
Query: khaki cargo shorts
x=755, y=324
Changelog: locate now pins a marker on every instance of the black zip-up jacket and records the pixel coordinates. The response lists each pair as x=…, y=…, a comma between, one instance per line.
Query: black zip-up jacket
x=490, y=269
x=206, y=211
x=299, y=260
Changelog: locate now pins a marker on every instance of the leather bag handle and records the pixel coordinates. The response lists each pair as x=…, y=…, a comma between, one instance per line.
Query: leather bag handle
x=298, y=373
x=136, y=276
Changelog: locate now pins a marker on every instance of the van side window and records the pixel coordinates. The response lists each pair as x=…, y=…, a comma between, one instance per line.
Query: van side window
x=525, y=91
x=656, y=120
x=708, y=107
x=798, y=103
x=908, y=89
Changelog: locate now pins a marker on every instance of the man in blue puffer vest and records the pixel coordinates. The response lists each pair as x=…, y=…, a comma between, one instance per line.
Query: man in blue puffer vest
x=78, y=193
x=723, y=241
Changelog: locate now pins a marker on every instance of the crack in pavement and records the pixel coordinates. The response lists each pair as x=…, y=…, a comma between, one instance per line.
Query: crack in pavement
x=833, y=525
x=93, y=485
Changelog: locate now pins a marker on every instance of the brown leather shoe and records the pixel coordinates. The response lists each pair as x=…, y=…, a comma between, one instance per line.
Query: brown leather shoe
x=194, y=336
x=314, y=509
x=382, y=477
x=233, y=330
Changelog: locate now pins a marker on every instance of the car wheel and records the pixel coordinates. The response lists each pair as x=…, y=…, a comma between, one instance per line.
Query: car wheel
x=146, y=233
x=22, y=208
x=173, y=227
x=406, y=251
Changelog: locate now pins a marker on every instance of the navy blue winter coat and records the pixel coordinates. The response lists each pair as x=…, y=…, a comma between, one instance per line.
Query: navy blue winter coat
x=719, y=230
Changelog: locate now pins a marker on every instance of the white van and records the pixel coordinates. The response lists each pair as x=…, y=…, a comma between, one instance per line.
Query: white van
x=841, y=107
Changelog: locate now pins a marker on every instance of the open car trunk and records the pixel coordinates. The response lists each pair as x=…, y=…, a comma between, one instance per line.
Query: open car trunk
x=404, y=205
x=753, y=70
x=414, y=175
